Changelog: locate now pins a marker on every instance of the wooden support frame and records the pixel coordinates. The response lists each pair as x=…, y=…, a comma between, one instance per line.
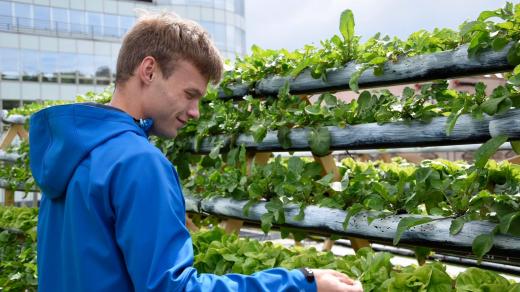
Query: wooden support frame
x=7, y=140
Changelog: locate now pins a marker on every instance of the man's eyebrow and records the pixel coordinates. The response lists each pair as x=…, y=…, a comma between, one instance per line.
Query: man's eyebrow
x=193, y=92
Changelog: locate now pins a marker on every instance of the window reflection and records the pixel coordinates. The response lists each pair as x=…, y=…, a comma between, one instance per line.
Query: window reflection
x=126, y=23
x=220, y=4
x=111, y=25
x=102, y=67
x=77, y=21
x=9, y=64
x=60, y=19
x=42, y=17
x=49, y=66
x=95, y=24
x=14, y=15
x=220, y=35
x=239, y=7
x=23, y=15
x=67, y=64
x=86, y=69
x=30, y=65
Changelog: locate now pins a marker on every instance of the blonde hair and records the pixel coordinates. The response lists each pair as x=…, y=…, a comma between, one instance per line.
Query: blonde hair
x=168, y=38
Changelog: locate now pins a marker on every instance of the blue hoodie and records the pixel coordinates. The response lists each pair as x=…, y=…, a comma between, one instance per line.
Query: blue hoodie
x=112, y=216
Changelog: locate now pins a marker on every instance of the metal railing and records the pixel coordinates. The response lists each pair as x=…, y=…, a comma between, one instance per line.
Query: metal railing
x=20, y=24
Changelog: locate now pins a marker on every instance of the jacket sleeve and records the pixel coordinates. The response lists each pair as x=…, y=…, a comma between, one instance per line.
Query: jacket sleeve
x=150, y=230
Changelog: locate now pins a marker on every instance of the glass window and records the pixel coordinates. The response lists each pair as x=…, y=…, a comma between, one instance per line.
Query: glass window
x=9, y=104
x=126, y=23
x=30, y=65
x=111, y=25
x=5, y=9
x=86, y=69
x=67, y=65
x=6, y=19
x=220, y=35
x=60, y=19
x=230, y=5
x=230, y=38
x=209, y=27
x=22, y=13
x=220, y=4
x=102, y=66
x=239, y=7
x=49, y=66
x=239, y=41
x=207, y=3
x=9, y=64
x=77, y=21
x=95, y=23
x=42, y=17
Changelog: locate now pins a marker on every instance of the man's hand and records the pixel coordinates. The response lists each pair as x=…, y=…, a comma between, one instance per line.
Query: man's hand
x=331, y=281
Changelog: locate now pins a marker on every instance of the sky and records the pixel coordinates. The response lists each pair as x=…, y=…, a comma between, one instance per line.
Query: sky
x=290, y=24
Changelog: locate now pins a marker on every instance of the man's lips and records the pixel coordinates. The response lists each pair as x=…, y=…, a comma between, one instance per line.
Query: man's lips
x=182, y=121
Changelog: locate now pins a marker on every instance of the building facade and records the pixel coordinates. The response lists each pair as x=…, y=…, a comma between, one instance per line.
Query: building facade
x=57, y=49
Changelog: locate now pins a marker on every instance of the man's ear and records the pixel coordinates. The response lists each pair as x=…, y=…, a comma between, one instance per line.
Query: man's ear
x=146, y=70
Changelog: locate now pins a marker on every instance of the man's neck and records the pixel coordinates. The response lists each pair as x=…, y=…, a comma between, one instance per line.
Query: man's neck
x=123, y=100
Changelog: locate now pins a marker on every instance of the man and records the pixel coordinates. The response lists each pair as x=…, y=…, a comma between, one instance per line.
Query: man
x=112, y=214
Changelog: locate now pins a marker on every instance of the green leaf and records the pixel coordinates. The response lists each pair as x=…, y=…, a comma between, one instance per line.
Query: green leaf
x=259, y=131
x=516, y=146
x=378, y=60
x=326, y=180
x=319, y=140
x=407, y=223
x=354, y=78
x=487, y=150
x=346, y=25
x=456, y=225
x=352, y=211
x=422, y=174
x=482, y=244
x=215, y=151
x=499, y=43
x=505, y=223
x=330, y=100
x=513, y=56
x=295, y=164
x=490, y=106
x=266, y=222
x=313, y=109
x=475, y=279
x=422, y=253
x=487, y=14
x=283, y=137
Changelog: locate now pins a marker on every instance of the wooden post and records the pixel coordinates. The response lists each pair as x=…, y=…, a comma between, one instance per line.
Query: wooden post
x=514, y=160
x=9, y=198
x=20, y=130
x=191, y=226
x=261, y=158
x=13, y=131
x=9, y=137
x=329, y=166
x=35, y=200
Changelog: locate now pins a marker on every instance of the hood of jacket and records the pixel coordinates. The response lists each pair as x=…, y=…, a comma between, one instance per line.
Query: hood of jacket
x=62, y=136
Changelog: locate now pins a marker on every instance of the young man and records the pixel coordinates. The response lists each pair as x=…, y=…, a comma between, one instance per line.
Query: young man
x=112, y=217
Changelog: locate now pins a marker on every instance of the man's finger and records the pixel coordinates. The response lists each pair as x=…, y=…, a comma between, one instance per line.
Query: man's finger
x=342, y=277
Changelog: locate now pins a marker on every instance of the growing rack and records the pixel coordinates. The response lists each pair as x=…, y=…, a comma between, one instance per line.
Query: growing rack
x=436, y=235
